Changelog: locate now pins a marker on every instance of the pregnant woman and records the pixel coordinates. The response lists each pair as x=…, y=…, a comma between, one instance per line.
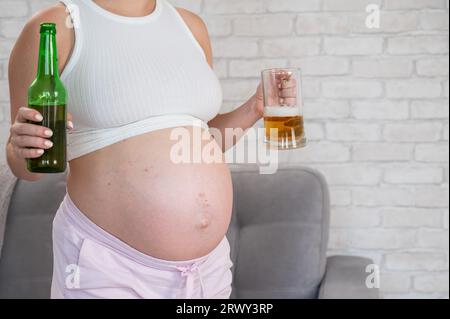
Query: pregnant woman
x=134, y=223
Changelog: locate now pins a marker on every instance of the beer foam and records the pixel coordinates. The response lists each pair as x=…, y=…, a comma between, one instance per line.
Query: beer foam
x=281, y=111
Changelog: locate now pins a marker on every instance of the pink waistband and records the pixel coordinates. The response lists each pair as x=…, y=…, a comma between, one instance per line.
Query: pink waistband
x=83, y=224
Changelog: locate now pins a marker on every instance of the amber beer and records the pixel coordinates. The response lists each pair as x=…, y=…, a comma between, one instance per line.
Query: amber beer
x=284, y=127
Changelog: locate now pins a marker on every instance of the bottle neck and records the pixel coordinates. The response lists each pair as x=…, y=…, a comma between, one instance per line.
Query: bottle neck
x=48, y=56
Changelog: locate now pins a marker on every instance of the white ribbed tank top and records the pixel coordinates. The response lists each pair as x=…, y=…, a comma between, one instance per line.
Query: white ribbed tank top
x=128, y=76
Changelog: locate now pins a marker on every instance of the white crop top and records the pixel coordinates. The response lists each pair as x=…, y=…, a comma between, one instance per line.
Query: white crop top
x=128, y=76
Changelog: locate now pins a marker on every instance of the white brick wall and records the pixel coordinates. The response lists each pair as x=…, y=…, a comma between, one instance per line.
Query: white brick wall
x=376, y=108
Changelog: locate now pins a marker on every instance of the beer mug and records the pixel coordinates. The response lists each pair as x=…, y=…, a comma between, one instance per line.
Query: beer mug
x=283, y=109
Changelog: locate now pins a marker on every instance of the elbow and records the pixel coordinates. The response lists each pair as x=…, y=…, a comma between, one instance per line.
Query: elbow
x=32, y=177
x=25, y=175
x=20, y=171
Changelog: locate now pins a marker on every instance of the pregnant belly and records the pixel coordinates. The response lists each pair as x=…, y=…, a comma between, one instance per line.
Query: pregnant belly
x=136, y=191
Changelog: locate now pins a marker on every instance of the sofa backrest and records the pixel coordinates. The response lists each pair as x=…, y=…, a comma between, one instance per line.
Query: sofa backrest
x=279, y=233
x=27, y=258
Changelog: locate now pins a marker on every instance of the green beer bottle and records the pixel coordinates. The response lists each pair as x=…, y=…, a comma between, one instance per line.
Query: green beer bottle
x=48, y=96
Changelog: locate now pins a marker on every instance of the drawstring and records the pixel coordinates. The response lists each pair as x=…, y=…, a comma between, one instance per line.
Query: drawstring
x=188, y=272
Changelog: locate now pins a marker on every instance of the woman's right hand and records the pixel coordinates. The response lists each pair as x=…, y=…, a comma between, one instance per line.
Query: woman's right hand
x=30, y=140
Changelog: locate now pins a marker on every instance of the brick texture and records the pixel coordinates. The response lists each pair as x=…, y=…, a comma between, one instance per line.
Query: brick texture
x=376, y=110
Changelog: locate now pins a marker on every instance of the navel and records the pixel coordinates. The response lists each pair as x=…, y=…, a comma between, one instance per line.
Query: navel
x=204, y=222
x=204, y=214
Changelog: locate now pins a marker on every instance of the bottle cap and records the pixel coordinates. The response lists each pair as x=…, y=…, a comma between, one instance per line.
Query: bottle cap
x=48, y=27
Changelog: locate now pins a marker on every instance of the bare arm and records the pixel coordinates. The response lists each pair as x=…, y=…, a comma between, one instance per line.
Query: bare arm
x=28, y=140
x=243, y=117
x=246, y=115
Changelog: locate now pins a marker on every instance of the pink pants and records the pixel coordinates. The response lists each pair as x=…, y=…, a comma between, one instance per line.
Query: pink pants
x=89, y=262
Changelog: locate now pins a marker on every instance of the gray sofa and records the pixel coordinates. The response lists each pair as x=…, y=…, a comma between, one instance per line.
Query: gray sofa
x=278, y=236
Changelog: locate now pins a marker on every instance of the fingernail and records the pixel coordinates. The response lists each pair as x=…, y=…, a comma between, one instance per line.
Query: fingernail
x=70, y=124
x=40, y=151
x=48, y=143
x=48, y=133
x=38, y=117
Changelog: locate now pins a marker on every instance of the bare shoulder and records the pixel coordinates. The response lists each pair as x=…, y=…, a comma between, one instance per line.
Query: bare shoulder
x=198, y=29
x=194, y=21
x=28, y=41
x=55, y=14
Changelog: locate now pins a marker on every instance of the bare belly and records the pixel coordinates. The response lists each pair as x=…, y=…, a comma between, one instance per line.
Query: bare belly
x=134, y=190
